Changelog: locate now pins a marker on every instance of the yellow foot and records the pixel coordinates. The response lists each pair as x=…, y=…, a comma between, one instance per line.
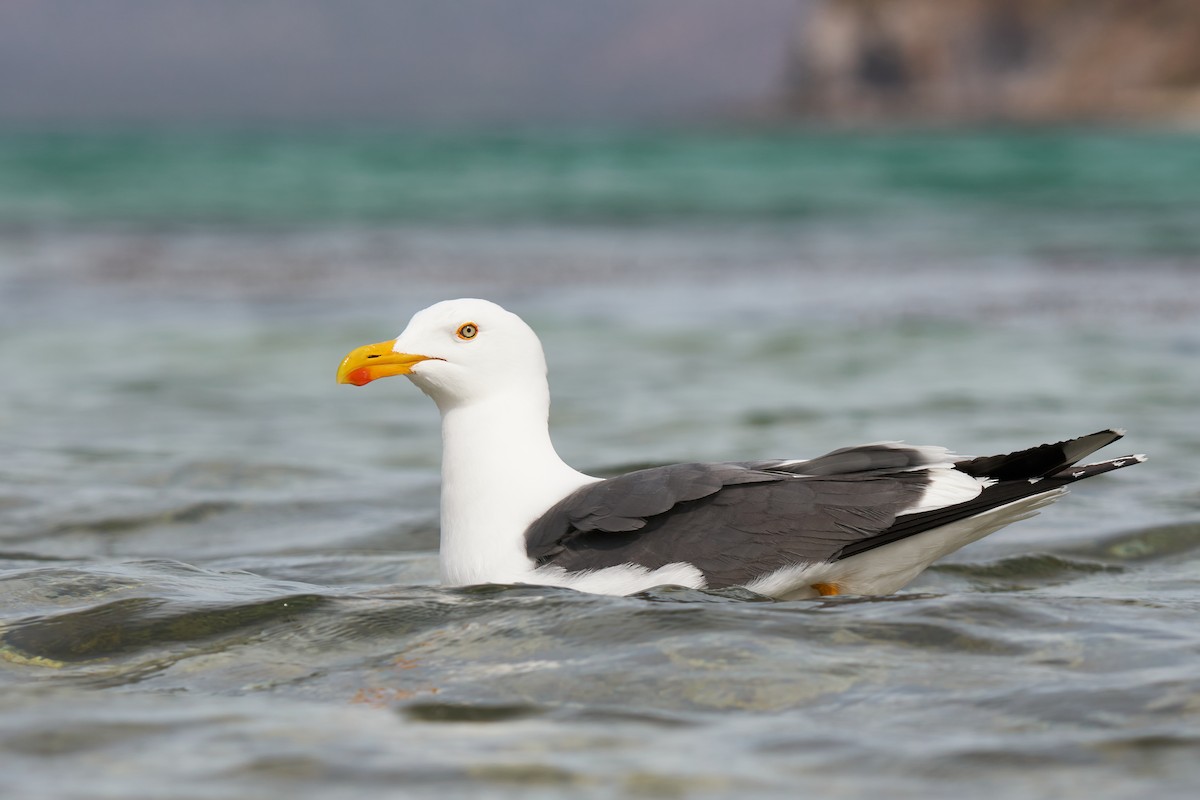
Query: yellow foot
x=827, y=589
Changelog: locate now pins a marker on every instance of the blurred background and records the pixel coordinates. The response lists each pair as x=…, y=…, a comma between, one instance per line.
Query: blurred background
x=272, y=149
x=764, y=228
x=205, y=164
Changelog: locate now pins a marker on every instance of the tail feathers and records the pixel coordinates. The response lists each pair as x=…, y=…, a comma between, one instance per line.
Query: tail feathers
x=1004, y=491
x=1042, y=461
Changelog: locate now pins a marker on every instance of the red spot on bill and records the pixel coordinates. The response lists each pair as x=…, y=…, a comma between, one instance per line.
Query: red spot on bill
x=360, y=376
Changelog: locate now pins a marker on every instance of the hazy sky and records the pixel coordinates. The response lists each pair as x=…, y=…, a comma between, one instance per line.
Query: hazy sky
x=424, y=62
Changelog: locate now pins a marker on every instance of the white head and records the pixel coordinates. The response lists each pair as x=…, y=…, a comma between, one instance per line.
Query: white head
x=457, y=352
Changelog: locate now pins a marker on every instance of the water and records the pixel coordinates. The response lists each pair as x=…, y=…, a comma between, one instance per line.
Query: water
x=217, y=567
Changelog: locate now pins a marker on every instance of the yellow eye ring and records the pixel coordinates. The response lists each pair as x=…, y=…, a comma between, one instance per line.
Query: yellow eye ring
x=466, y=331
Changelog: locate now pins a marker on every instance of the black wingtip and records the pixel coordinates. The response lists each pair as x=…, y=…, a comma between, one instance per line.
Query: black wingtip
x=1081, y=471
x=1041, y=461
x=996, y=495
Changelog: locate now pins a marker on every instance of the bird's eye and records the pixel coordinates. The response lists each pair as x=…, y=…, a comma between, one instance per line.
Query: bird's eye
x=468, y=330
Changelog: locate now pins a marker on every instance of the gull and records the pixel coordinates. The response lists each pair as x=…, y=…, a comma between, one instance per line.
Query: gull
x=861, y=520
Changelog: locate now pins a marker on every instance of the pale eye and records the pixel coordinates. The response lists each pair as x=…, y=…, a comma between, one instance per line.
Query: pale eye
x=468, y=330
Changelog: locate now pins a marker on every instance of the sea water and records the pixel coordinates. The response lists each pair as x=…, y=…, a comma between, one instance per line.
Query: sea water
x=218, y=568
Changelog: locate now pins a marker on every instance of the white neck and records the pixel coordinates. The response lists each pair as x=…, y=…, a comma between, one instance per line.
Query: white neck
x=499, y=473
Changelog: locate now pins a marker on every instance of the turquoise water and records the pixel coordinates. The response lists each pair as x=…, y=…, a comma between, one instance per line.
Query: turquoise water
x=263, y=179
x=217, y=568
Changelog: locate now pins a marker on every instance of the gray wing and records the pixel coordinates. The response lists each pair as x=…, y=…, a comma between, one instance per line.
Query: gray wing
x=732, y=521
x=879, y=457
x=738, y=521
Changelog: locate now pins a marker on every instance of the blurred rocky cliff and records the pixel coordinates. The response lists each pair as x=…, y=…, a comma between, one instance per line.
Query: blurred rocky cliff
x=998, y=60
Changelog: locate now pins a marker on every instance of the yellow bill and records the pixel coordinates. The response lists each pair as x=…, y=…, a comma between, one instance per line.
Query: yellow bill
x=373, y=361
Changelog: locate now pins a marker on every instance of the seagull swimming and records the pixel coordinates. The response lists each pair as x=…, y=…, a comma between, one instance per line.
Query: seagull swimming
x=862, y=520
